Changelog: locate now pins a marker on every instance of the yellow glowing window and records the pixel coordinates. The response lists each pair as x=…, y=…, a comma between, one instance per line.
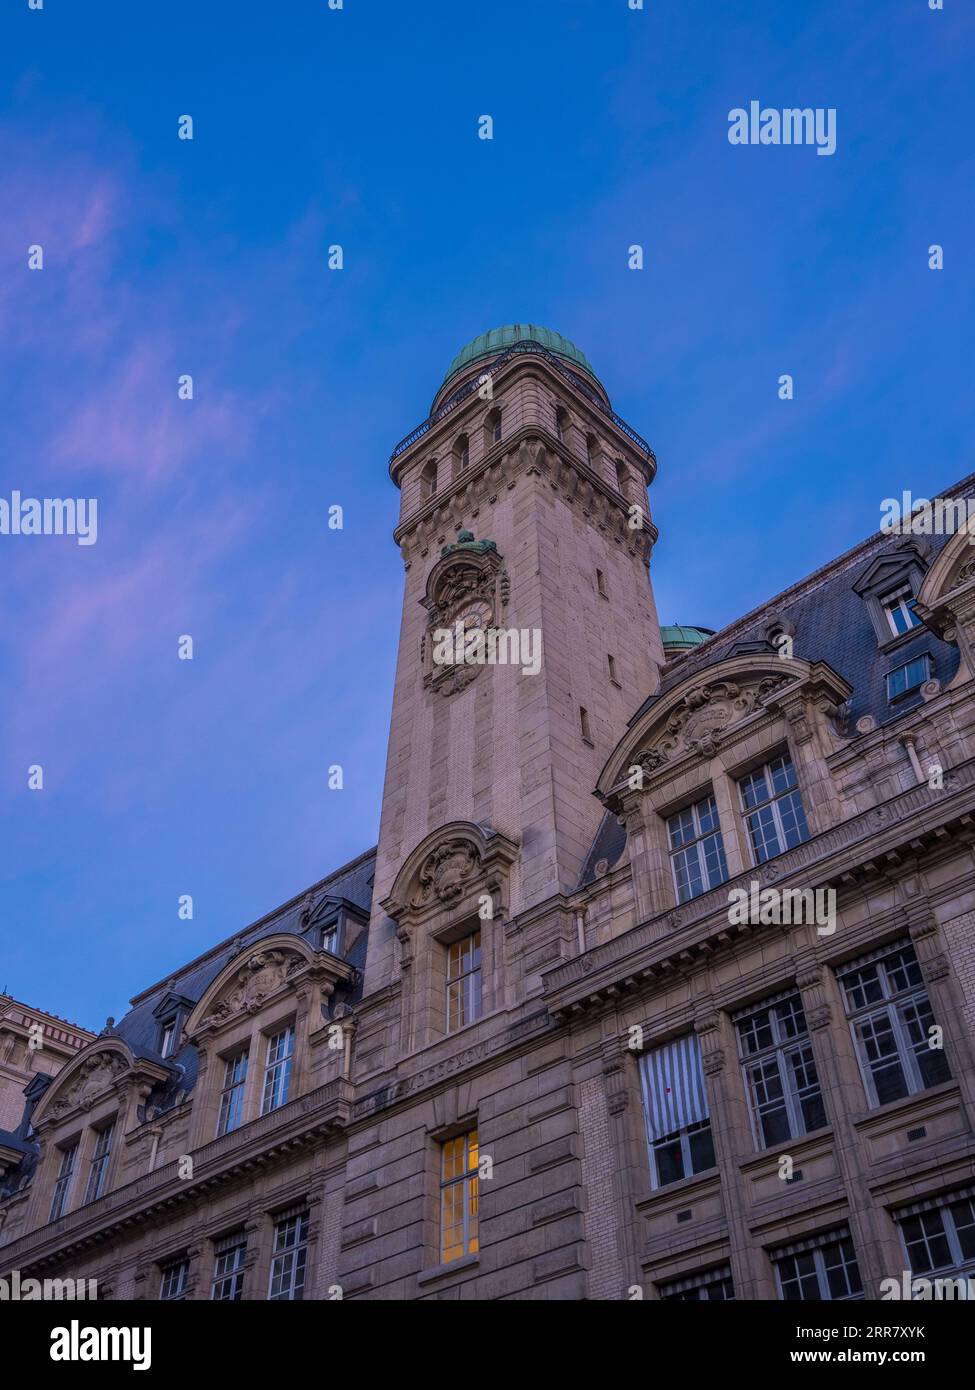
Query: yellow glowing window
x=458, y=1197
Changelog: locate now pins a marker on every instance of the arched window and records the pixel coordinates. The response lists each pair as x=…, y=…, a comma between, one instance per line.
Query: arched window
x=561, y=422
x=621, y=476
x=590, y=448
x=462, y=454
x=428, y=479
x=492, y=427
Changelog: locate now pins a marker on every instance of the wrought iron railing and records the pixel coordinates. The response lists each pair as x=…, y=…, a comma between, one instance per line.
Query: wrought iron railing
x=530, y=346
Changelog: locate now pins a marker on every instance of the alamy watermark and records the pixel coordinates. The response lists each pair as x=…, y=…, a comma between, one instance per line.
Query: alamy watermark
x=928, y=516
x=492, y=646
x=793, y=125
x=787, y=907
x=14, y=1289
x=50, y=516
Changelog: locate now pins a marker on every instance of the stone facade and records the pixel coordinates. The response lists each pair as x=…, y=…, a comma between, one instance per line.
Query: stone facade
x=513, y=960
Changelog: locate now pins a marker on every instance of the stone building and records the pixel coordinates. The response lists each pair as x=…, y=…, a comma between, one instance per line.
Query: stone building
x=533, y=1045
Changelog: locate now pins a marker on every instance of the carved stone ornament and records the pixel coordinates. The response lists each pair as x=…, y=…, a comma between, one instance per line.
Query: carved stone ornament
x=264, y=973
x=445, y=871
x=705, y=713
x=95, y=1076
x=465, y=592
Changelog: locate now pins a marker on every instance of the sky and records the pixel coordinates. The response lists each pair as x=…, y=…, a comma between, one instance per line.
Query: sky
x=359, y=127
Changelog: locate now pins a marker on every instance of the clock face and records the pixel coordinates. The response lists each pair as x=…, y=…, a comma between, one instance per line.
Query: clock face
x=473, y=615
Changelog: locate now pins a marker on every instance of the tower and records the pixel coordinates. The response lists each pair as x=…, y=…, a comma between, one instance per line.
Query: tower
x=523, y=509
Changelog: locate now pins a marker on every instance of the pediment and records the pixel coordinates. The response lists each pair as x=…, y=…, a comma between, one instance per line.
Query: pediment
x=890, y=567
x=93, y=1074
x=449, y=869
x=248, y=983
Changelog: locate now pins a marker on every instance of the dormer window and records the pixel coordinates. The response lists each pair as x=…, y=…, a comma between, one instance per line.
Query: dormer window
x=903, y=680
x=167, y=1044
x=900, y=610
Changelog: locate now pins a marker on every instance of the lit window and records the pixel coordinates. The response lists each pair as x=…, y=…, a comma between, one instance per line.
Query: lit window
x=232, y=1094
x=174, y=1276
x=288, y=1257
x=458, y=1197
x=62, y=1187
x=696, y=849
x=773, y=809
x=277, y=1069
x=464, y=981
x=821, y=1269
x=892, y=1022
x=908, y=677
x=940, y=1236
x=900, y=608
x=98, y=1172
x=675, y=1107
x=710, y=1285
x=780, y=1074
x=228, y=1268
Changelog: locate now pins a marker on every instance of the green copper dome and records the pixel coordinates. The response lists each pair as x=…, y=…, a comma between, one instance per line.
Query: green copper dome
x=681, y=639
x=494, y=342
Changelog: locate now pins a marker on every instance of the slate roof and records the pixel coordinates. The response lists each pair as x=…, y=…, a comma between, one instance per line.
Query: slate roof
x=832, y=624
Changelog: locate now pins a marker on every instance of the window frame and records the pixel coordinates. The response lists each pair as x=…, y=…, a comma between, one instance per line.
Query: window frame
x=772, y=804
x=467, y=1180
x=821, y=1271
x=779, y=1051
x=922, y=659
x=289, y=1258
x=889, y=1006
x=455, y=988
x=64, y=1181
x=904, y=600
x=283, y=1065
x=236, y=1090
x=232, y=1274
x=100, y=1162
x=962, y=1265
x=675, y=851
x=181, y=1265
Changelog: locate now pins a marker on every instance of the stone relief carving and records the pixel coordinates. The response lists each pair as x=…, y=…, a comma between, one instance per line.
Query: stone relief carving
x=96, y=1076
x=697, y=724
x=264, y=973
x=445, y=871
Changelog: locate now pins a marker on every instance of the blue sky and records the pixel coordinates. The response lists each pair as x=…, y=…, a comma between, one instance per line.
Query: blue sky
x=360, y=127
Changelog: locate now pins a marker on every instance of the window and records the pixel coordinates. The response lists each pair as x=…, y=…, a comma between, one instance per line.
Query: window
x=601, y=584
x=584, y=728
x=330, y=937
x=458, y=1197
x=428, y=479
x=232, y=1094
x=773, y=809
x=900, y=610
x=560, y=421
x=940, y=1234
x=621, y=475
x=675, y=1107
x=98, y=1172
x=462, y=454
x=464, y=981
x=903, y=679
x=821, y=1269
x=228, y=1267
x=492, y=426
x=174, y=1276
x=891, y=1018
x=288, y=1257
x=780, y=1074
x=611, y=663
x=590, y=447
x=709, y=1285
x=696, y=849
x=62, y=1188
x=277, y=1069
x=167, y=1045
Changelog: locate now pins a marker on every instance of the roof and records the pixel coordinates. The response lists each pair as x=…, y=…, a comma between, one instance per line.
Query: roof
x=676, y=637
x=496, y=340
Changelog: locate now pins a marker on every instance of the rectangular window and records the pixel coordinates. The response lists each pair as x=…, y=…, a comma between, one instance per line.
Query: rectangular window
x=892, y=1022
x=464, y=981
x=675, y=1107
x=900, y=609
x=584, y=724
x=168, y=1043
x=601, y=584
x=288, y=1257
x=330, y=938
x=776, y=1054
x=62, y=1188
x=710, y=1285
x=611, y=663
x=941, y=1236
x=232, y=1095
x=818, y=1270
x=696, y=849
x=904, y=679
x=174, y=1275
x=458, y=1197
x=98, y=1172
x=772, y=808
x=228, y=1268
x=277, y=1069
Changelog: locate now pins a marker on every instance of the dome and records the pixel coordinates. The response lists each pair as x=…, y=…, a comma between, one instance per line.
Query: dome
x=498, y=339
x=681, y=639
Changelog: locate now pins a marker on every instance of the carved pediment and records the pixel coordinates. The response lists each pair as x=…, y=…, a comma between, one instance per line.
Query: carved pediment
x=466, y=590
x=697, y=723
x=450, y=868
x=261, y=975
x=93, y=1077
x=445, y=871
